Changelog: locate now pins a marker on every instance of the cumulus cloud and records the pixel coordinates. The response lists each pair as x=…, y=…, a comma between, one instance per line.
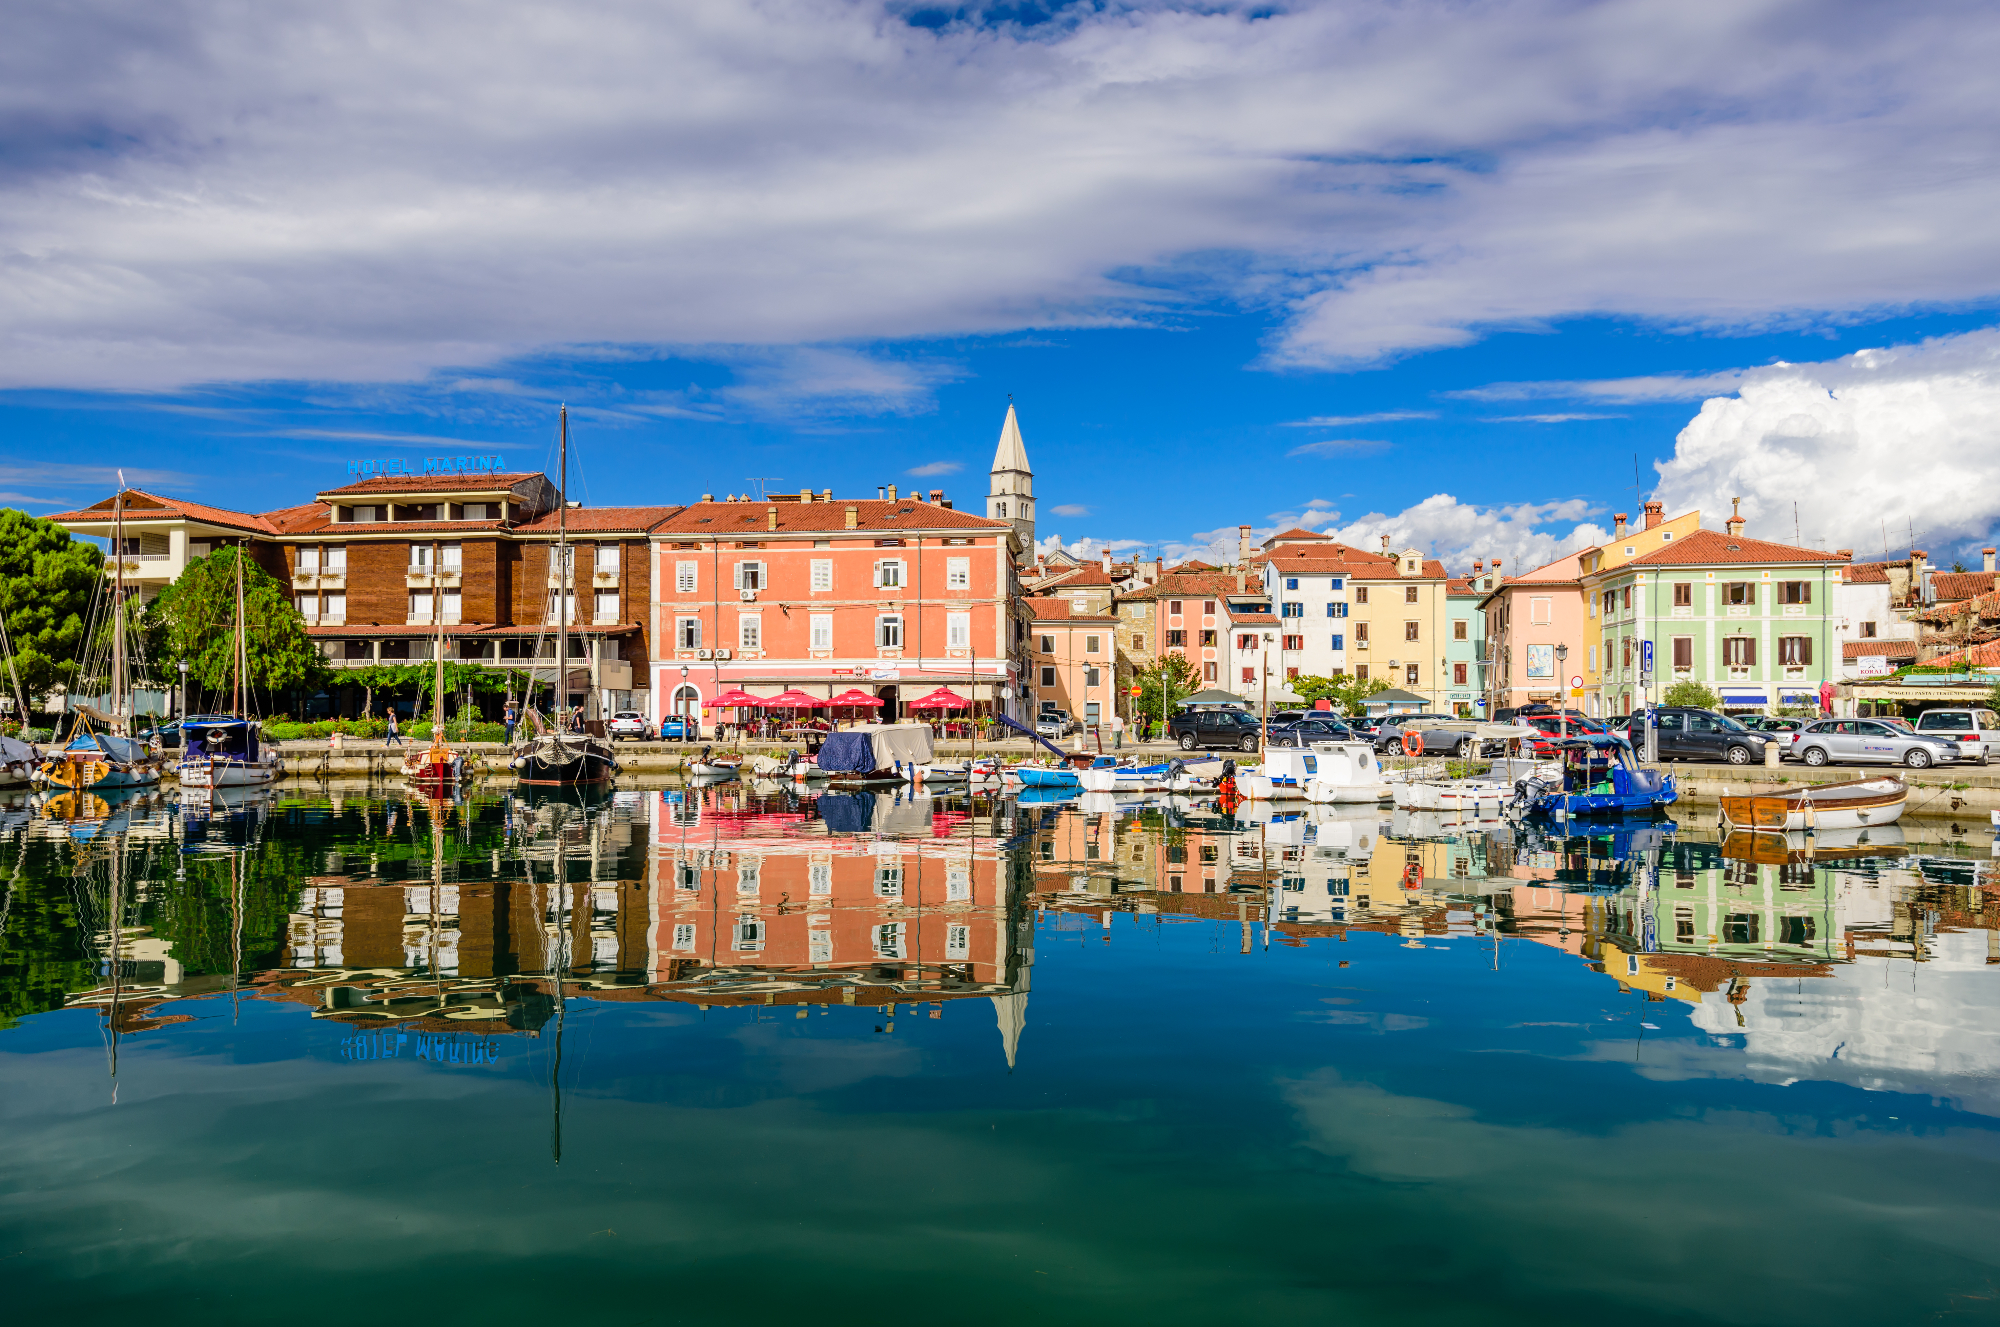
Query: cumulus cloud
x=341, y=190
x=1523, y=535
x=1900, y=437
x=1070, y=509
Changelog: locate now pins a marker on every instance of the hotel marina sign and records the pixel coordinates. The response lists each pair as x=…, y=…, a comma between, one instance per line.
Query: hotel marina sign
x=428, y=465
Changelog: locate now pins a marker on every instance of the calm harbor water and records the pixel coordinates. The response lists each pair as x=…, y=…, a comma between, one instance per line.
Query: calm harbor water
x=721, y=1056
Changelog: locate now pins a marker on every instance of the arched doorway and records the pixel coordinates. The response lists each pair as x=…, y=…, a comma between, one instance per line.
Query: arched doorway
x=686, y=702
x=890, y=712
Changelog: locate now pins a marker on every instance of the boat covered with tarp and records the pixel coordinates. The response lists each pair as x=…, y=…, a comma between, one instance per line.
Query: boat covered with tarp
x=96, y=759
x=18, y=761
x=876, y=753
x=1595, y=776
x=223, y=751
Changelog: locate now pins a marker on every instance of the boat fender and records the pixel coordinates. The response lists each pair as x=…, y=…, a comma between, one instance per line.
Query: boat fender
x=1413, y=743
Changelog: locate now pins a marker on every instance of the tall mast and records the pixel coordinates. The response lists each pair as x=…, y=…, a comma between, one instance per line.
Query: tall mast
x=437, y=610
x=240, y=663
x=117, y=612
x=562, y=571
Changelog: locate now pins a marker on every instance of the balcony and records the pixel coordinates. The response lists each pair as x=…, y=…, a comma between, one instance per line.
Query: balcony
x=419, y=578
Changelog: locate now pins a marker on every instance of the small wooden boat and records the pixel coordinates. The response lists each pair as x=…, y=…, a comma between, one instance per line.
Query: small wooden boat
x=704, y=766
x=1846, y=805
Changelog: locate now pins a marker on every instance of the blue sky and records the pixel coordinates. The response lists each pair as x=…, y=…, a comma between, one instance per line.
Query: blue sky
x=1496, y=251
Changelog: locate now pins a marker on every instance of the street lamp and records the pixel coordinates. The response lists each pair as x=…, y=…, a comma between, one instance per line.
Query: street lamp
x=679, y=701
x=184, y=689
x=1562, y=658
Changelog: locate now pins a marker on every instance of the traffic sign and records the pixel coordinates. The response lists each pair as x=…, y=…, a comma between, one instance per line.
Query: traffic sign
x=1645, y=656
x=1576, y=681
x=1575, y=691
x=1134, y=691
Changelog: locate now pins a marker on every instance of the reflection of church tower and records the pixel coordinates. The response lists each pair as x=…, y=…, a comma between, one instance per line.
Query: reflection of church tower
x=1010, y=494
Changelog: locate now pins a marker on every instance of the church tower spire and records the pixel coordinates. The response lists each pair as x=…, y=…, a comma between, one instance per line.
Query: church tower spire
x=1010, y=494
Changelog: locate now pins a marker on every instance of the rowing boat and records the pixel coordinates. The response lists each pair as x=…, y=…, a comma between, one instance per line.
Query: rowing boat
x=1847, y=805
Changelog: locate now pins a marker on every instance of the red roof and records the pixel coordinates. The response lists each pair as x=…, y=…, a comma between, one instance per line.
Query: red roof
x=155, y=508
x=1977, y=656
x=390, y=484
x=1887, y=649
x=585, y=520
x=1294, y=535
x=1056, y=610
x=1254, y=620
x=1712, y=548
x=1090, y=577
x=743, y=520
x=1866, y=573
x=388, y=629
x=1951, y=586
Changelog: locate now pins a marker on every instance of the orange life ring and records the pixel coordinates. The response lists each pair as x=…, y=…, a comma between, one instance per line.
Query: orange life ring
x=1413, y=743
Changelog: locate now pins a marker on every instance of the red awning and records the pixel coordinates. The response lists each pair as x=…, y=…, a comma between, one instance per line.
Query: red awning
x=793, y=699
x=855, y=696
x=736, y=698
x=944, y=698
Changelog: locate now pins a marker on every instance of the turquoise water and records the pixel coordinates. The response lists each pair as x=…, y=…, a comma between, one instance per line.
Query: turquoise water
x=720, y=1057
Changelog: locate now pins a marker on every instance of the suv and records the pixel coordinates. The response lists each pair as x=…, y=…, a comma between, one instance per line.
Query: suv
x=1229, y=729
x=1976, y=730
x=1388, y=735
x=1054, y=723
x=1308, y=728
x=1687, y=733
x=628, y=723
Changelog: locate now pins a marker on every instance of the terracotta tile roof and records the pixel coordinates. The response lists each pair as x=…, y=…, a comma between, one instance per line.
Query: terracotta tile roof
x=740, y=520
x=141, y=505
x=1294, y=535
x=1976, y=656
x=1206, y=585
x=1253, y=619
x=1713, y=548
x=1091, y=577
x=318, y=521
x=387, y=630
x=1866, y=573
x=1057, y=610
x=1888, y=649
x=1460, y=585
x=1950, y=586
x=587, y=520
x=1190, y=566
x=392, y=484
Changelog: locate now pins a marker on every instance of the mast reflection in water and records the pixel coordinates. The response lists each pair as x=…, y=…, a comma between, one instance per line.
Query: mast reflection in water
x=1490, y=1067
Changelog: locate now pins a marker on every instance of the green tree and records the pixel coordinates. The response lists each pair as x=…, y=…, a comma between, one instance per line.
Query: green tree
x=194, y=620
x=1693, y=695
x=1347, y=694
x=1170, y=672
x=46, y=582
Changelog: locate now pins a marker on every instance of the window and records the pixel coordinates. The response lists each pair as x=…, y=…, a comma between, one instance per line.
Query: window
x=567, y=599
x=820, y=631
x=1541, y=611
x=309, y=607
x=366, y=513
x=1360, y=633
x=1410, y=630
x=1459, y=629
x=1208, y=673
x=1291, y=582
x=889, y=881
x=1409, y=594
x=1290, y=673
x=1340, y=642
x=607, y=558
x=749, y=933
x=1739, y=651
x=1249, y=675
x=1208, y=638
x=822, y=575
x=684, y=936
x=1458, y=674
x=1625, y=599
x=1740, y=928
x=1610, y=602
x=1138, y=644
x=1291, y=610
x=1794, y=592
x=420, y=558
x=1361, y=672
x=1867, y=629
x=1091, y=644
x=889, y=575
x=889, y=631
x=1090, y=677
x=1208, y=605
x=684, y=576
x=604, y=609
x=1795, y=651
x=749, y=575
x=1336, y=583
x=333, y=608
x=420, y=606
x=958, y=573
x=819, y=878
x=1795, y=930
x=687, y=633
x=1360, y=594
x=1410, y=674
x=1294, y=643
x=1684, y=652
x=1174, y=607
x=1246, y=642
x=958, y=631
x=1176, y=640
x=749, y=632
x=1048, y=645
x=333, y=560
x=308, y=560
x=1683, y=594
x=1593, y=655
x=1739, y=592
x=1048, y=677
x=1625, y=654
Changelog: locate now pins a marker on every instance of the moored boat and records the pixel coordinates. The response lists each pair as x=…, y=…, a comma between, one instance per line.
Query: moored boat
x=1597, y=776
x=1347, y=773
x=1850, y=804
x=223, y=751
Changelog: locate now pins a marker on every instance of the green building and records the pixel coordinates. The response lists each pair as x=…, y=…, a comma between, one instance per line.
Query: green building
x=1747, y=618
x=1464, y=682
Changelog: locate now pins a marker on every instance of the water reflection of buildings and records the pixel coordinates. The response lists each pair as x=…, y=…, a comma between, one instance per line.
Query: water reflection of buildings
x=713, y=898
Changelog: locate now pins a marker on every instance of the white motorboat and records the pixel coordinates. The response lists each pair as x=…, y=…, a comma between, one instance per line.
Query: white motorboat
x=1473, y=796
x=1346, y=772
x=1283, y=775
x=226, y=752
x=1125, y=778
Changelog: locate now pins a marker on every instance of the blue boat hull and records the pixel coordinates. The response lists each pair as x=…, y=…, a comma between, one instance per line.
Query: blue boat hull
x=1035, y=776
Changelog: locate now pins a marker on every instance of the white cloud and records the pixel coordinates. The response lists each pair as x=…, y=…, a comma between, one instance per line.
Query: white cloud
x=347, y=191
x=1546, y=419
x=1623, y=391
x=1523, y=535
x=1899, y=437
x=939, y=468
x=1345, y=421
x=1070, y=509
x=1340, y=447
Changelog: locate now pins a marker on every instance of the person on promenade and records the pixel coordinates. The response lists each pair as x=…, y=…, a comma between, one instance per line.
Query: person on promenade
x=1117, y=731
x=395, y=738
x=510, y=717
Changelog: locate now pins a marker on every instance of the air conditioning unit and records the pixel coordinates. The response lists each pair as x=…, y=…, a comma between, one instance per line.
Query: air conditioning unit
x=747, y=596
x=704, y=654
x=722, y=654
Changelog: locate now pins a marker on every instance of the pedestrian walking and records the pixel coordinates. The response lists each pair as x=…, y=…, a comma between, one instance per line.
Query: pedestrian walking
x=510, y=717
x=1117, y=731
x=395, y=738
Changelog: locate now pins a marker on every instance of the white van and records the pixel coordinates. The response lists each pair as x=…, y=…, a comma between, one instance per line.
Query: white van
x=1978, y=731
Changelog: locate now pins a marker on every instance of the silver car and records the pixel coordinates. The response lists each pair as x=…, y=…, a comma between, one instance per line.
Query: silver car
x=1853, y=741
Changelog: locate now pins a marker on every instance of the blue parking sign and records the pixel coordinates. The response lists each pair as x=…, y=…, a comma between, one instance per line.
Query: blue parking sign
x=1645, y=656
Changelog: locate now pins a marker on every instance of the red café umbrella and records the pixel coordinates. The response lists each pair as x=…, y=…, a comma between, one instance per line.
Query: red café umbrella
x=735, y=698
x=794, y=699
x=944, y=698
x=856, y=696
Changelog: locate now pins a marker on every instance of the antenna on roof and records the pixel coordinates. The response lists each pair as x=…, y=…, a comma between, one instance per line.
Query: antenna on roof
x=760, y=481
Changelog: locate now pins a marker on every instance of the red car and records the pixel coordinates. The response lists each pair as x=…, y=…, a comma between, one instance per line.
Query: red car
x=1553, y=725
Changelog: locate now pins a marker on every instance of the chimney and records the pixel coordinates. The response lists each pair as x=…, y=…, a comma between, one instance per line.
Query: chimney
x=1988, y=555
x=1917, y=559
x=1385, y=545
x=945, y=503
x=805, y=495
x=937, y=496
x=892, y=494
x=1159, y=570
x=770, y=518
x=826, y=495
x=1734, y=525
x=1478, y=568
x=1847, y=553
x=1496, y=566
x=1107, y=559
x=1618, y=528
x=708, y=497
x=1654, y=514
x=1242, y=545
x=1239, y=581
x=853, y=518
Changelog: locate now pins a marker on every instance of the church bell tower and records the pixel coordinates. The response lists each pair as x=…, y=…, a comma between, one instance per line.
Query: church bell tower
x=1010, y=490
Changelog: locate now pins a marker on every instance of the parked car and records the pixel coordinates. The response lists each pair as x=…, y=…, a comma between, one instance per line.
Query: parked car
x=1976, y=730
x=1227, y=729
x=629, y=723
x=1320, y=727
x=1687, y=733
x=676, y=728
x=1774, y=723
x=1054, y=723
x=1389, y=735
x=1840, y=740
x=169, y=735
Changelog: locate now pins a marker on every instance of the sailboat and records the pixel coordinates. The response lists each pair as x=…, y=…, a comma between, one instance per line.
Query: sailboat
x=19, y=758
x=550, y=755
x=229, y=750
x=438, y=768
x=107, y=758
